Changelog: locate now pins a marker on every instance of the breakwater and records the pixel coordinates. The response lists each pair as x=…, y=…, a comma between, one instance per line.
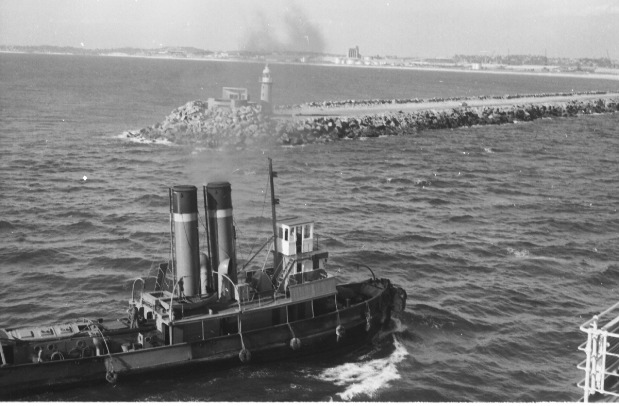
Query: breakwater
x=326, y=129
x=196, y=124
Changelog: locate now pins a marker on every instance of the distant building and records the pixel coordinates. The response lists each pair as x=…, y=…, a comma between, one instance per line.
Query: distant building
x=231, y=97
x=176, y=53
x=234, y=97
x=353, y=53
x=235, y=93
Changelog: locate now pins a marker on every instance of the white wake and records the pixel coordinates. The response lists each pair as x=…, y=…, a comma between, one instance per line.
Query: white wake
x=366, y=377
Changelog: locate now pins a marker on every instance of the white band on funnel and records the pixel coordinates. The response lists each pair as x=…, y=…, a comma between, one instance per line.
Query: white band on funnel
x=185, y=217
x=220, y=213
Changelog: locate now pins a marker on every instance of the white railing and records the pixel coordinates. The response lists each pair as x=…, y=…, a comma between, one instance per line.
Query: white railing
x=234, y=286
x=602, y=353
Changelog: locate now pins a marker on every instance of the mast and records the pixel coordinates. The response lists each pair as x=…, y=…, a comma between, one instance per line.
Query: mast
x=172, y=236
x=209, y=263
x=274, y=201
x=208, y=237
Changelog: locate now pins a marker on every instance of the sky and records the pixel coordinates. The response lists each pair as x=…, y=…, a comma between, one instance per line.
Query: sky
x=406, y=28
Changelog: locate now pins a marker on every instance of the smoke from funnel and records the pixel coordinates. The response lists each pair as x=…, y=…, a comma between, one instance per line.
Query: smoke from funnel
x=291, y=32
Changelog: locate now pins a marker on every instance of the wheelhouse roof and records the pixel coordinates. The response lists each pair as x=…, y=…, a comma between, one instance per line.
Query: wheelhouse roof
x=293, y=221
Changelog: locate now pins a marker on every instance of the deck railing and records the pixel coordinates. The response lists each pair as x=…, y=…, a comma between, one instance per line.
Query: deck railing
x=602, y=354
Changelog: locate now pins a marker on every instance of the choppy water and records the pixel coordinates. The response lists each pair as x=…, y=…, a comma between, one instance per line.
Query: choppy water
x=505, y=237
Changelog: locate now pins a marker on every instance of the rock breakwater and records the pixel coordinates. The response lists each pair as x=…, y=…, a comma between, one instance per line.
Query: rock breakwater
x=195, y=124
x=326, y=129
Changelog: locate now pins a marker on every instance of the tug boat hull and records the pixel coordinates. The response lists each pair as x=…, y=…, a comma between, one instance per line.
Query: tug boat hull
x=29, y=378
x=347, y=326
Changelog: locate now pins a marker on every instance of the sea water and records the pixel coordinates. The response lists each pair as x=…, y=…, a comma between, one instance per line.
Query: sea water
x=505, y=237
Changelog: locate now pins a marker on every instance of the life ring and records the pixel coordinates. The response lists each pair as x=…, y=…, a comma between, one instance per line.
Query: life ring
x=340, y=332
x=56, y=356
x=111, y=377
x=295, y=343
x=80, y=344
x=245, y=355
x=51, y=347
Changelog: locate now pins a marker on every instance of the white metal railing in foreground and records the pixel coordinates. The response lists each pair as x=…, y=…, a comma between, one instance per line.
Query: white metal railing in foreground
x=602, y=353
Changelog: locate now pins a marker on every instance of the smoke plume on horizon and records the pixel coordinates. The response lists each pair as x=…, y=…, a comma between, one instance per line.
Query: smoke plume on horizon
x=292, y=31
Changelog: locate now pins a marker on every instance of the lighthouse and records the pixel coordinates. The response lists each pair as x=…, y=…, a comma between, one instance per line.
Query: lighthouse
x=265, y=90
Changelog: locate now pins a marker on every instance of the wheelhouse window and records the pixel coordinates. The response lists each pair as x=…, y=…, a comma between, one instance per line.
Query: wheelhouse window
x=307, y=231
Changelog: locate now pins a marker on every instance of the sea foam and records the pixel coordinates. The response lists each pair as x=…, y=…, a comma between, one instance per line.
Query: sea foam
x=366, y=377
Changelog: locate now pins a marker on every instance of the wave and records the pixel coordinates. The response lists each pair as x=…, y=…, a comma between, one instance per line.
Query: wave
x=607, y=277
x=257, y=220
x=432, y=317
x=366, y=189
x=518, y=253
x=412, y=238
x=437, y=202
x=120, y=263
x=119, y=218
x=43, y=256
x=75, y=214
x=5, y=225
x=151, y=199
x=80, y=226
x=332, y=243
x=106, y=241
x=400, y=181
x=134, y=136
x=359, y=179
x=612, y=271
x=461, y=219
x=366, y=378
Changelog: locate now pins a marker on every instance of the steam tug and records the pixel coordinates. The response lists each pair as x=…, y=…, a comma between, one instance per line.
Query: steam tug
x=204, y=308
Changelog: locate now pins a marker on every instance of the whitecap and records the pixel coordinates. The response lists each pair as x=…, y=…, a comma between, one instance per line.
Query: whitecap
x=366, y=377
x=518, y=253
x=132, y=137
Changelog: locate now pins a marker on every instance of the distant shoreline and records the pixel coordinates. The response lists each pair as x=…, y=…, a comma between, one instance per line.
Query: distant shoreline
x=584, y=75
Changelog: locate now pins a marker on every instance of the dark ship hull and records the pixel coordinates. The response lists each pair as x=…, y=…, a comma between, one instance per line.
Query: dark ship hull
x=348, y=326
